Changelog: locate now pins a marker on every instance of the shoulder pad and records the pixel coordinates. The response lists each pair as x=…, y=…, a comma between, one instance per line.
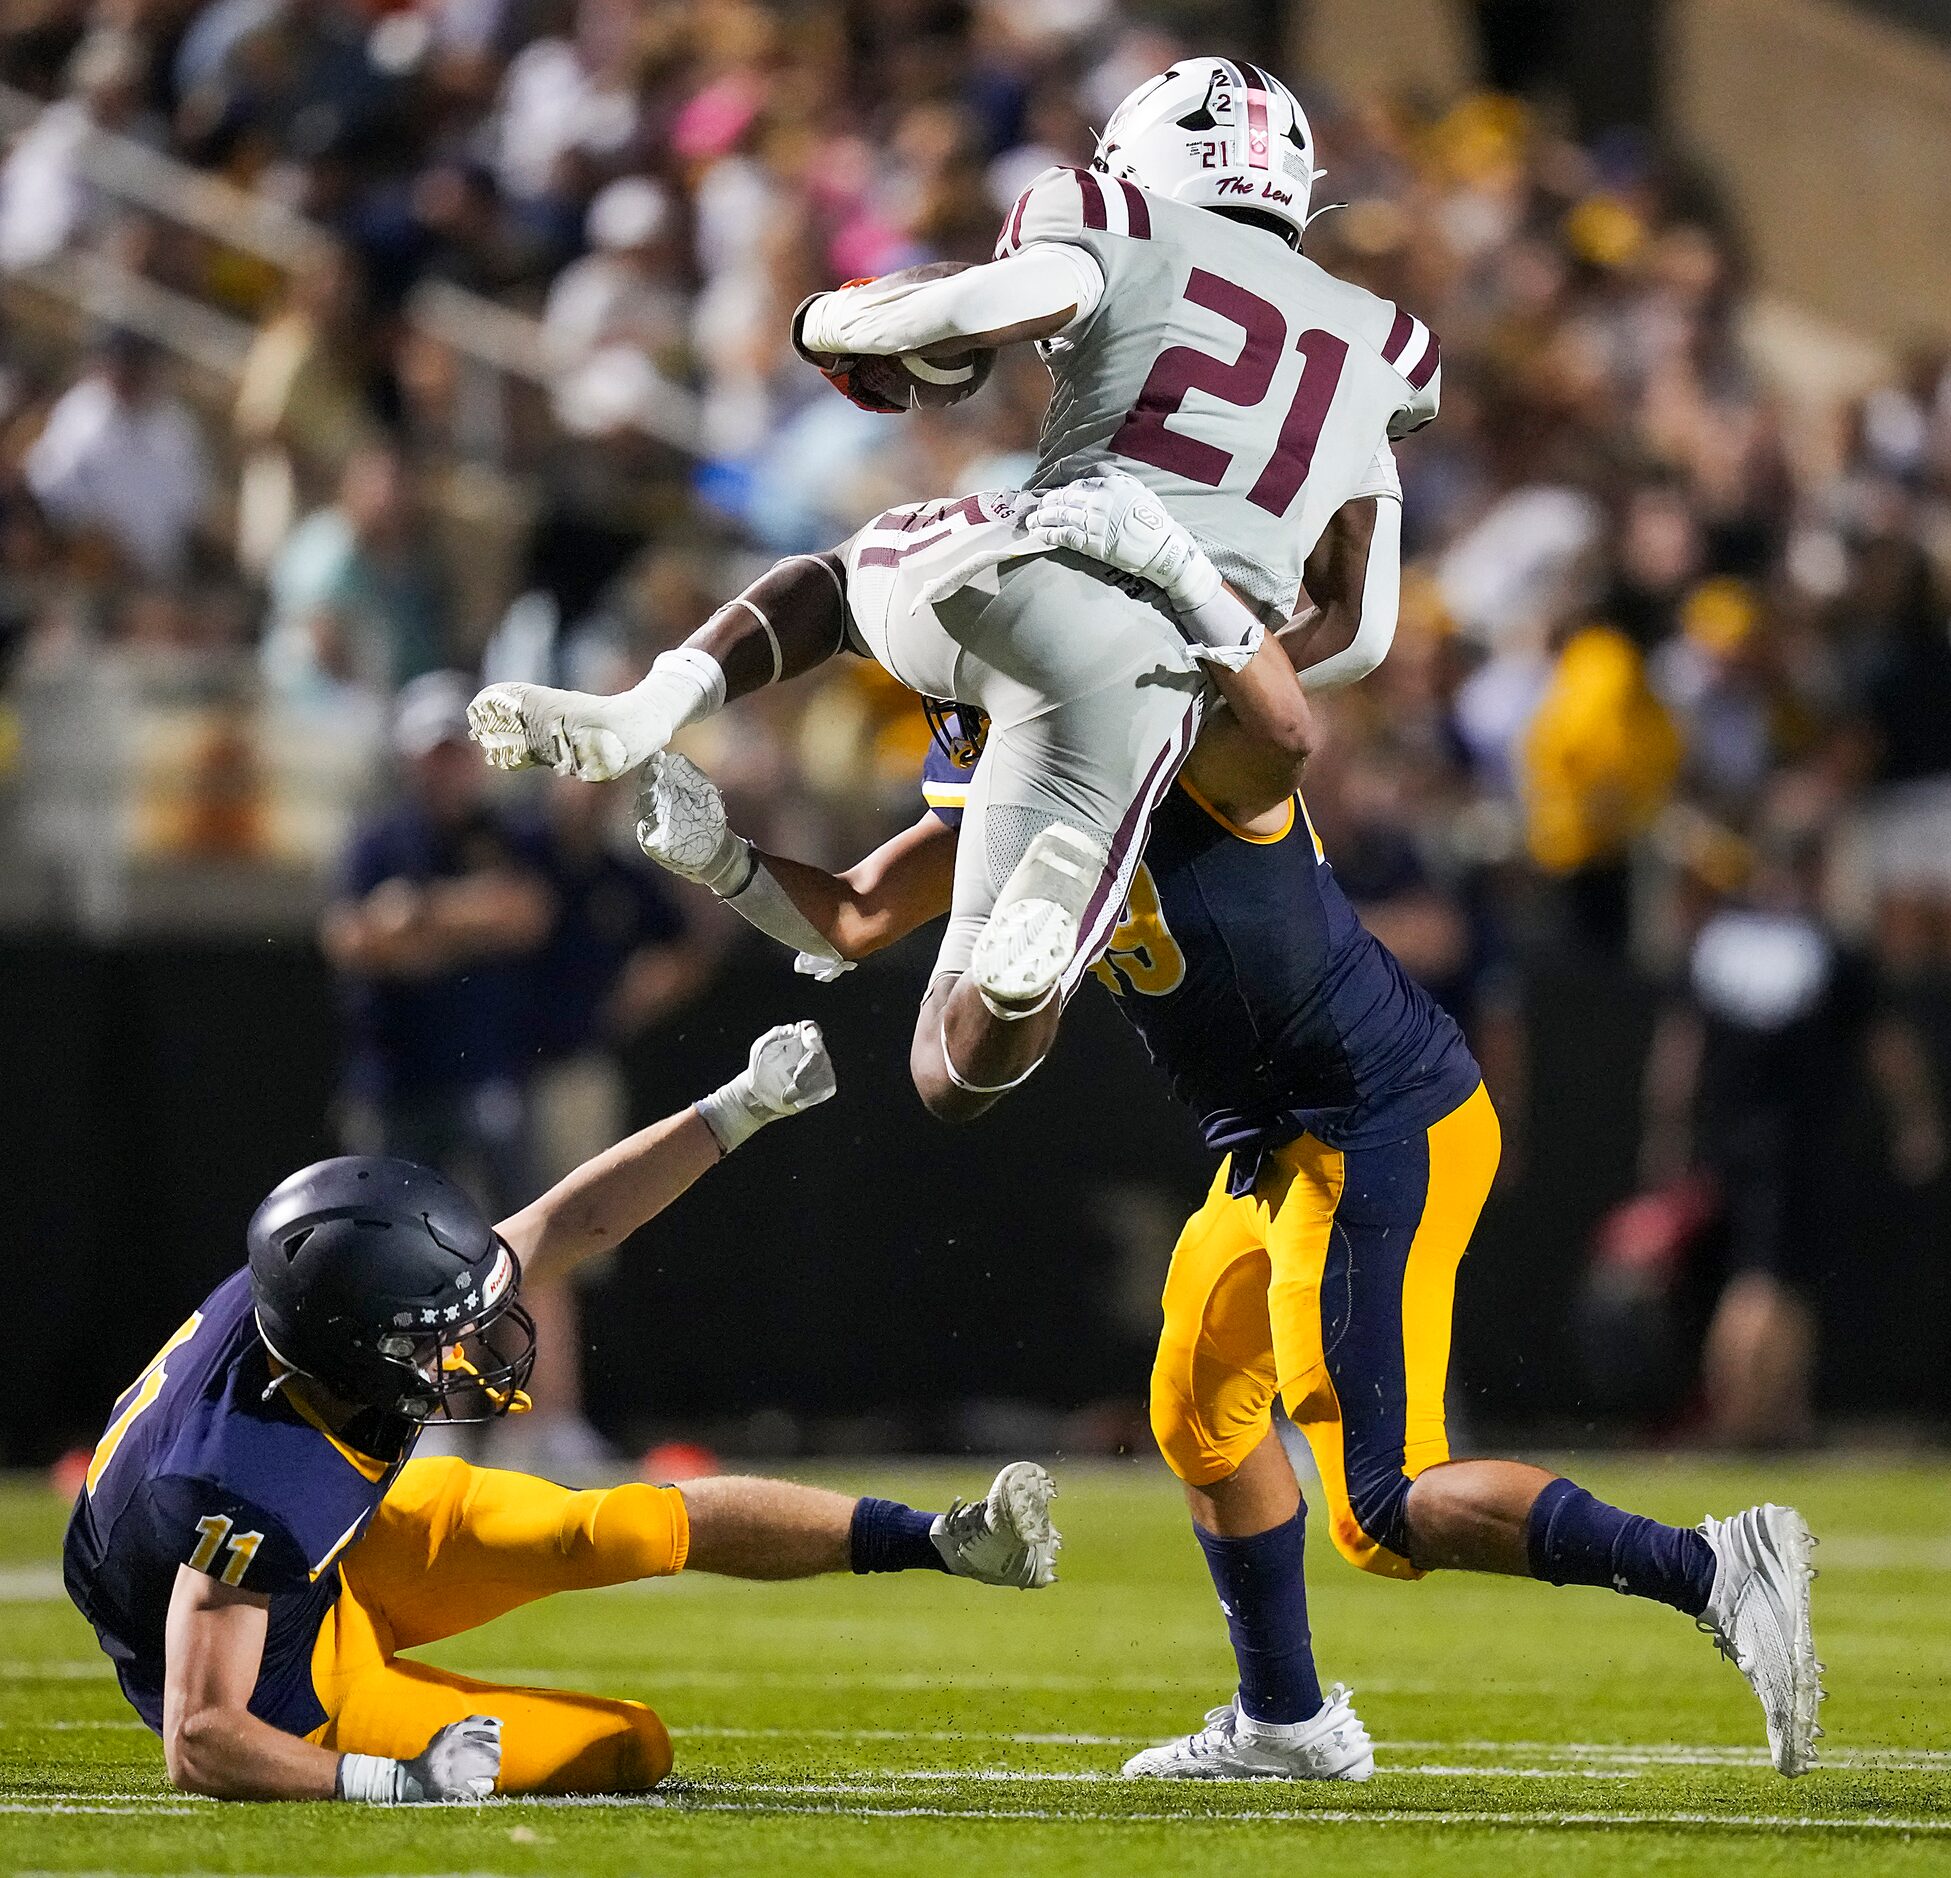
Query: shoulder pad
x=1066, y=204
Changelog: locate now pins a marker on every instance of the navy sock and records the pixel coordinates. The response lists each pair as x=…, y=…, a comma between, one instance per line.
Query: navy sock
x=889, y=1537
x=1574, y=1539
x=1264, y=1596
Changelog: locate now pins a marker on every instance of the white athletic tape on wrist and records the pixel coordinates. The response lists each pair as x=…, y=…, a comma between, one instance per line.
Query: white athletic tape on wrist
x=686, y=670
x=732, y=868
x=374, y=1780
x=1220, y=621
x=731, y=1114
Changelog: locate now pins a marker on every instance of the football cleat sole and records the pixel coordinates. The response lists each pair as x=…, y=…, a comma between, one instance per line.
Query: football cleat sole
x=1031, y=937
x=1007, y=1537
x=519, y=726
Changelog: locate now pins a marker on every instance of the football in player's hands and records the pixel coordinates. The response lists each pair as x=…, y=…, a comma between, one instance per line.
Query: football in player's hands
x=890, y=383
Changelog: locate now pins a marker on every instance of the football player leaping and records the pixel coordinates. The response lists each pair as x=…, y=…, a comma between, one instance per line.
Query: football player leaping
x=256, y=1543
x=1191, y=344
x=1360, y=1144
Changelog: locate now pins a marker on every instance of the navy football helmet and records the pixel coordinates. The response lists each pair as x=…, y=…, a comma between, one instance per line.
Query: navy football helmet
x=381, y=1280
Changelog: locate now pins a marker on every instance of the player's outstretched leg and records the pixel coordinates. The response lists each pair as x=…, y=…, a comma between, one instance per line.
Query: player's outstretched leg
x=774, y=1529
x=1745, y=1580
x=792, y=618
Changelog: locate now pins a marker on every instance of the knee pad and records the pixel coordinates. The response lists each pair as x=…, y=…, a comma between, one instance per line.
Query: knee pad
x=1183, y=1428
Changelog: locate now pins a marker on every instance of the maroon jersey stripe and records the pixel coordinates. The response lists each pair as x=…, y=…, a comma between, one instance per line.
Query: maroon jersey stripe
x=1426, y=365
x=1398, y=336
x=1093, y=199
x=1013, y=234
x=1138, y=218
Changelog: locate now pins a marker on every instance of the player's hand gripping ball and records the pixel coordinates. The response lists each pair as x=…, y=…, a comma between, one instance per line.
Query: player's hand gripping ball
x=891, y=383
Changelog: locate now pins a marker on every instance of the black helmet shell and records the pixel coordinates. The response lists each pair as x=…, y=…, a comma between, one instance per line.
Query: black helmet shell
x=361, y=1263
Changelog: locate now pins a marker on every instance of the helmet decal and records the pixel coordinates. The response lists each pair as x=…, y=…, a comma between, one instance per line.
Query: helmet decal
x=1215, y=134
x=497, y=1280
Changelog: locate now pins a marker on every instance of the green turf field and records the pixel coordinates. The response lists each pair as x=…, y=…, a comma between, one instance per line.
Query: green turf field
x=916, y=1724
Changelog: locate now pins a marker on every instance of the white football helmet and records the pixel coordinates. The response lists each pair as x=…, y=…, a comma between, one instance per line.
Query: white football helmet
x=1216, y=135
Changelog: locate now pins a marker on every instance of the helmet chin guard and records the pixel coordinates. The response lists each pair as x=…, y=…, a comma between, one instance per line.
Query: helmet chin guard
x=1215, y=134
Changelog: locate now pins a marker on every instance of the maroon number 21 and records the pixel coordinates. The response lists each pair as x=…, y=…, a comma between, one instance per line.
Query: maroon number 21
x=1244, y=381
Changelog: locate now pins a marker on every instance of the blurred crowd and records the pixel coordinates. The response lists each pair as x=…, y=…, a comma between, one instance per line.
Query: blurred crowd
x=509, y=281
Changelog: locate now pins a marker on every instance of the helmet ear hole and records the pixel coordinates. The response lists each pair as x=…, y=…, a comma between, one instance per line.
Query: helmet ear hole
x=296, y=1243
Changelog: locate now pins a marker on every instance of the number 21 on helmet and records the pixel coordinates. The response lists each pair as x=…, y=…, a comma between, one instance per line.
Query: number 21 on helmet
x=1215, y=134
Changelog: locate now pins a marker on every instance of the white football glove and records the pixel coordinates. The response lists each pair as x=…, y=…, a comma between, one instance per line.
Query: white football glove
x=461, y=1762
x=1115, y=519
x=821, y=969
x=789, y=1070
x=681, y=825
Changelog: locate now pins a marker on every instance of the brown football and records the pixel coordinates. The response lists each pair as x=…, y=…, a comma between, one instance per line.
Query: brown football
x=944, y=377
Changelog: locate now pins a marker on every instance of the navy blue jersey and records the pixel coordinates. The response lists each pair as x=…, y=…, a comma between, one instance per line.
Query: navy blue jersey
x=200, y=1468
x=1260, y=994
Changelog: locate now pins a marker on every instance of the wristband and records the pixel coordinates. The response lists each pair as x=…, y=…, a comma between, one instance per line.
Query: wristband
x=732, y=1114
x=732, y=869
x=374, y=1780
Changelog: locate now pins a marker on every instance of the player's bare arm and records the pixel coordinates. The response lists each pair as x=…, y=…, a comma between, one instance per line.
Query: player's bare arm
x=212, y=1743
x=891, y=892
x=1348, y=627
x=792, y=618
x=609, y=1197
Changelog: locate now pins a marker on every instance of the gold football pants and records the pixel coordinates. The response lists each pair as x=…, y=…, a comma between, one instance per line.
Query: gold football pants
x=453, y=1546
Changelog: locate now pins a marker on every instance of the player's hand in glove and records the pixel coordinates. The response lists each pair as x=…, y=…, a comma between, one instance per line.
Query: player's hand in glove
x=846, y=372
x=1114, y=518
x=461, y=1762
x=789, y=1070
x=681, y=825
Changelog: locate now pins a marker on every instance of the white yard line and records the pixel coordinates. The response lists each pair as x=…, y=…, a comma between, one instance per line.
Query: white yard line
x=718, y=1798
x=31, y=1584
x=1893, y=1759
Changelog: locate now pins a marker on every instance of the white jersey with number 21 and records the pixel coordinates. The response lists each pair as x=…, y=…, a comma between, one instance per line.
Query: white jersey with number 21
x=1254, y=391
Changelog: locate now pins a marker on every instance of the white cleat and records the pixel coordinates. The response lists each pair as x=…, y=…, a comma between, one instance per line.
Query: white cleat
x=573, y=733
x=1006, y=1537
x=1332, y=1745
x=1758, y=1616
x=1031, y=934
